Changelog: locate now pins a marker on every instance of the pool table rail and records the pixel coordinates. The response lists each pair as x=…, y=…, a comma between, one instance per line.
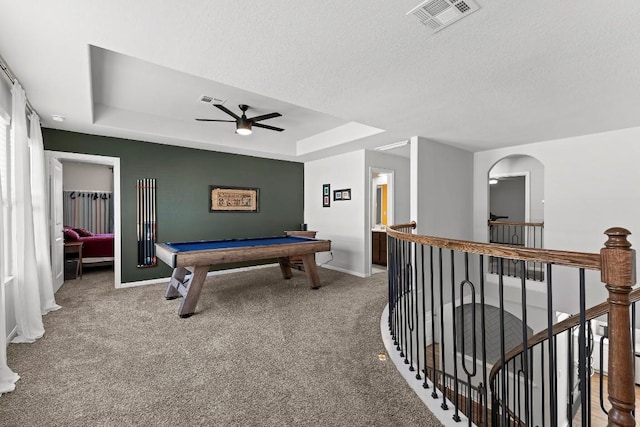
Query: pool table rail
x=175, y=258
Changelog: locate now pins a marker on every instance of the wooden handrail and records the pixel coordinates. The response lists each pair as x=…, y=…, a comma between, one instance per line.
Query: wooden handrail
x=525, y=224
x=560, y=327
x=584, y=260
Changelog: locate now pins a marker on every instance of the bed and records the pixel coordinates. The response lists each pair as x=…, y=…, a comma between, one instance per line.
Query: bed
x=96, y=248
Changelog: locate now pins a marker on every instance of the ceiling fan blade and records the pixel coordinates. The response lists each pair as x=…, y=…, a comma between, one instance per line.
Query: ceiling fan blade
x=258, y=125
x=226, y=110
x=265, y=117
x=215, y=120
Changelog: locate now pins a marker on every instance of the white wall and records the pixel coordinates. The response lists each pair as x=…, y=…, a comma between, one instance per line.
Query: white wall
x=86, y=177
x=441, y=189
x=344, y=221
x=591, y=184
x=348, y=223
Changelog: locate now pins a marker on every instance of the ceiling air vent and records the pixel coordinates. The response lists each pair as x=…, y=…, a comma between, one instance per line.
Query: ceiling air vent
x=210, y=99
x=437, y=14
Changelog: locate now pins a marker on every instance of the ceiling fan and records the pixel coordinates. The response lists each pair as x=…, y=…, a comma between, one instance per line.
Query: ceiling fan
x=243, y=123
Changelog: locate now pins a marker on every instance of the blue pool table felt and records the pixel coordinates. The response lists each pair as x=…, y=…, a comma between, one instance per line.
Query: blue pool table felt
x=234, y=243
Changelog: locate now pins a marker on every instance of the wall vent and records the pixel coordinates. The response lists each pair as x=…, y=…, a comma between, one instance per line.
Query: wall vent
x=438, y=14
x=210, y=99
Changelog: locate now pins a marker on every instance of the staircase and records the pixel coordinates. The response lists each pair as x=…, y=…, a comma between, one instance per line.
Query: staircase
x=490, y=352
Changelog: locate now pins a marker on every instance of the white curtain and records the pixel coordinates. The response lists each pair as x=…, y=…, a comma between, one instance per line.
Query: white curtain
x=26, y=288
x=40, y=223
x=8, y=378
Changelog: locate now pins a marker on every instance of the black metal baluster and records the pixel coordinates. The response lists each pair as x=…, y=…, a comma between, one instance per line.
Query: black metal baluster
x=442, y=344
x=582, y=344
x=470, y=372
x=391, y=279
x=570, y=370
x=412, y=295
x=403, y=317
x=542, y=394
x=601, y=382
x=503, y=372
x=425, y=384
x=434, y=368
x=525, y=338
x=553, y=385
x=419, y=342
x=395, y=291
x=403, y=300
x=456, y=416
x=485, y=417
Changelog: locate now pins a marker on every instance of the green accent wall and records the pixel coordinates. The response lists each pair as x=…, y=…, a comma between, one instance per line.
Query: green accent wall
x=183, y=177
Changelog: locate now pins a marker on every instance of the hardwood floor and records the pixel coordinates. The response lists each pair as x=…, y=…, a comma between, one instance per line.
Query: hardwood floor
x=598, y=417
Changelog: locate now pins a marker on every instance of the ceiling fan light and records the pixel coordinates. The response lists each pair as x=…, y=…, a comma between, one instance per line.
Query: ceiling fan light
x=243, y=126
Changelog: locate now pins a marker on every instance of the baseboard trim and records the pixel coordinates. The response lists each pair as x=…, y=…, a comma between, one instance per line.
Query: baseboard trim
x=444, y=416
x=165, y=280
x=342, y=270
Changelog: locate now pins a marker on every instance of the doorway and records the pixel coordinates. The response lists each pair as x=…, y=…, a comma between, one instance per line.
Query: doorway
x=508, y=197
x=56, y=196
x=381, y=215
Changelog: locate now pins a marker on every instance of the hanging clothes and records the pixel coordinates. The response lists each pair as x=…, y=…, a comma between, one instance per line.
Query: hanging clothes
x=91, y=210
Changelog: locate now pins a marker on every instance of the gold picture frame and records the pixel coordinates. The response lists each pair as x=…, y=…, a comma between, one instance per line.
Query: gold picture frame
x=233, y=199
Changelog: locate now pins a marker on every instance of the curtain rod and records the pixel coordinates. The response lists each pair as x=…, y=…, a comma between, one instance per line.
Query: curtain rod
x=12, y=78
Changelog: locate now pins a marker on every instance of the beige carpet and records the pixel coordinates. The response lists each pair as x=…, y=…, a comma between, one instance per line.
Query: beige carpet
x=261, y=351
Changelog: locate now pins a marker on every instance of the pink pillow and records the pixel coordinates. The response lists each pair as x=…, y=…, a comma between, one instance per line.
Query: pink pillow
x=82, y=232
x=69, y=234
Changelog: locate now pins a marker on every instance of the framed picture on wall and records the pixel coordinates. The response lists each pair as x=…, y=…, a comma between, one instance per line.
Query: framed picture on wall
x=344, y=194
x=233, y=199
x=326, y=198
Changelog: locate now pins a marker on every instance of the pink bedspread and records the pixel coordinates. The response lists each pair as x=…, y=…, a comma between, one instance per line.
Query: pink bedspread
x=98, y=245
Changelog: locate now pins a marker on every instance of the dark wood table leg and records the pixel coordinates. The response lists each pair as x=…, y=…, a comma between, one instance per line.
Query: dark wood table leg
x=79, y=269
x=311, y=270
x=190, y=300
x=285, y=268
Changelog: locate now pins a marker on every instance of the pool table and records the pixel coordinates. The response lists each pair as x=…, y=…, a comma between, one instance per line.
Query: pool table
x=191, y=261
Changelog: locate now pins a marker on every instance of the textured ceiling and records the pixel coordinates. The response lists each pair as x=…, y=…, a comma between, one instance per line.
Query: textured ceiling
x=344, y=75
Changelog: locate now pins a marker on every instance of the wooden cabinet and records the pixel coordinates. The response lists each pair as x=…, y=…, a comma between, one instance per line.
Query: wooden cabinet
x=379, y=247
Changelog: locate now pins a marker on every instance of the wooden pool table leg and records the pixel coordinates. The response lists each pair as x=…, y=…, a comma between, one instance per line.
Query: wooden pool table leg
x=311, y=270
x=285, y=268
x=194, y=287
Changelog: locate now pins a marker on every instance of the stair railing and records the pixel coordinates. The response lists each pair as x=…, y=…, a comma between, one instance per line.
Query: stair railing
x=527, y=234
x=448, y=316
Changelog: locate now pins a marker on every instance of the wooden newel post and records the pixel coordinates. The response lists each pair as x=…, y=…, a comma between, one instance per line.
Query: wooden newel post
x=618, y=273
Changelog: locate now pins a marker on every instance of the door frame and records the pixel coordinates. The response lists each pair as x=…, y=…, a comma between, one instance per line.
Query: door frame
x=370, y=217
x=117, y=228
x=55, y=216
